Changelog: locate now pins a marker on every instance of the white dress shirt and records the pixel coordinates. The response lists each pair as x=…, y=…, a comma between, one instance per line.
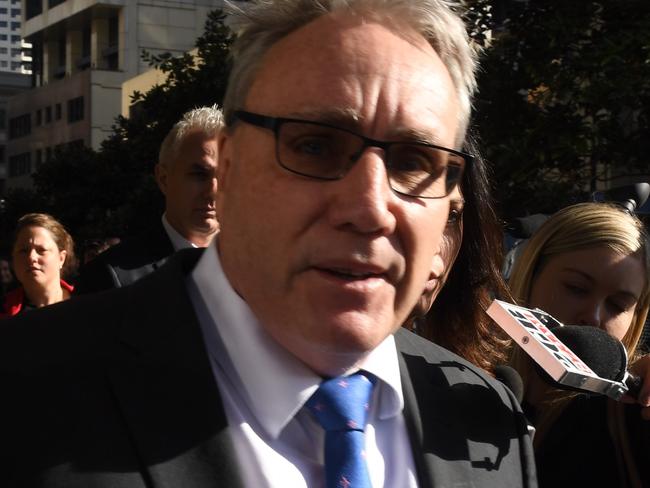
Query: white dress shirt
x=178, y=241
x=264, y=387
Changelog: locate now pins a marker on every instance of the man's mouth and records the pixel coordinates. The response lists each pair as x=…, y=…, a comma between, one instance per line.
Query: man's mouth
x=349, y=274
x=353, y=272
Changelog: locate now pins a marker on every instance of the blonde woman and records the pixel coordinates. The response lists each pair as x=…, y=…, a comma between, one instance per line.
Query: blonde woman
x=587, y=265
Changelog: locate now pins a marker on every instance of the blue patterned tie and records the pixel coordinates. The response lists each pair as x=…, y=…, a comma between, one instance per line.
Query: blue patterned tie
x=340, y=405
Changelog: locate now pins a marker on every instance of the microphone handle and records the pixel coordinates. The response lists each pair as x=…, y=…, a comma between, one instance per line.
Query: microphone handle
x=634, y=384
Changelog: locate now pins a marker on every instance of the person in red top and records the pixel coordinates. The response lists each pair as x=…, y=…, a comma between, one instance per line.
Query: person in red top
x=43, y=252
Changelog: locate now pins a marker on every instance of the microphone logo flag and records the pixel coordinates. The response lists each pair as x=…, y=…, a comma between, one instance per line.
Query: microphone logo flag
x=531, y=329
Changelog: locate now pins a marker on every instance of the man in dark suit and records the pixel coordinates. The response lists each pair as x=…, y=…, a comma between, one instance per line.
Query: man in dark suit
x=186, y=175
x=205, y=373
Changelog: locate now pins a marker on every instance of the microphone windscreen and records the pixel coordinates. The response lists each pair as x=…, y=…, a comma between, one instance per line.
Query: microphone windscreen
x=604, y=354
x=509, y=377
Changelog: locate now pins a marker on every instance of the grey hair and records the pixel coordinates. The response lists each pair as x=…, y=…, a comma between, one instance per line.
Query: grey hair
x=262, y=23
x=208, y=120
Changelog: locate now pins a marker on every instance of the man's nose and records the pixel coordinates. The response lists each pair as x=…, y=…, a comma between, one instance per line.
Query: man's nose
x=211, y=187
x=363, y=197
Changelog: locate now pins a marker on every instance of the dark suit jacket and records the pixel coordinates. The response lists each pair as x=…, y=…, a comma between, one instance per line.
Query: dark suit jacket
x=116, y=390
x=127, y=262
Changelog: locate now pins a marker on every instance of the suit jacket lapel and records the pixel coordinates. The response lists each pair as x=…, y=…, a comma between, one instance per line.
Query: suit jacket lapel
x=164, y=385
x=429, y=416
x=161, y=246
x=413, y=424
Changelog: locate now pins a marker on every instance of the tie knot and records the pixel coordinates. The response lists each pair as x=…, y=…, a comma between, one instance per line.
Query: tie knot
x=342, y=403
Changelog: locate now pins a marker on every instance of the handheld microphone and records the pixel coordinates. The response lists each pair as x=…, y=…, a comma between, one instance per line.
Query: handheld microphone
x=598, y=364
x=604, y=354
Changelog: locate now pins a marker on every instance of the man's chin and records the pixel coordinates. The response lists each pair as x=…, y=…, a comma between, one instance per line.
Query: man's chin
x=357, y=333
x=206, y=227
x=339, y=351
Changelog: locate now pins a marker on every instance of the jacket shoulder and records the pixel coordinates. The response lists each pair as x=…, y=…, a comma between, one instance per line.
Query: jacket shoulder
x=126, y=262
x=411, y=345
x=467, y=424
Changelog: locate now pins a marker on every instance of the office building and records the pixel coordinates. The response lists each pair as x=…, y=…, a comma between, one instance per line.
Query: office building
x=82, y=52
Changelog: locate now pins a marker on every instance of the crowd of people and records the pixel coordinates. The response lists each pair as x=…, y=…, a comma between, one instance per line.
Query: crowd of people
x=332, y=230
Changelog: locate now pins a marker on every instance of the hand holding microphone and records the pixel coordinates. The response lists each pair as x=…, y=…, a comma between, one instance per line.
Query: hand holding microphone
x=641, y=368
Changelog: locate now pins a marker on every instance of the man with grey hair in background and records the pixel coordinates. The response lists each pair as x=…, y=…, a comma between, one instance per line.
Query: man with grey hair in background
x=276, y=357
x=186, y=176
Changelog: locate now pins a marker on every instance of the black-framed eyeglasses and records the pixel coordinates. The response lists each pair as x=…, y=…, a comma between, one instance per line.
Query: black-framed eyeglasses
x=326, y=152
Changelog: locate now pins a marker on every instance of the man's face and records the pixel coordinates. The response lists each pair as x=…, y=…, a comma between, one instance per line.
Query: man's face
x=331, y=268
x=190, y=186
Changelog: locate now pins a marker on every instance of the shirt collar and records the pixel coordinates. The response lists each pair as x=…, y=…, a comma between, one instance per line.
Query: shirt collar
x=178, y=241
x=264, y=369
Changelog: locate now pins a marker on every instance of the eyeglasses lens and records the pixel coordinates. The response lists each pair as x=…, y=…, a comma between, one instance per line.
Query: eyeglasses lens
x=319, y=151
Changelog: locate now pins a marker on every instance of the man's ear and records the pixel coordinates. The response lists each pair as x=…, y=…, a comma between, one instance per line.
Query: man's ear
x=160, y=173
x=225, y=159
x=437, y=267
x=62, y=255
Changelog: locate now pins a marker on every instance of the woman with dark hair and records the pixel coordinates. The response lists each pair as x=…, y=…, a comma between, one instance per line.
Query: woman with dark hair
x=43, y=253
x=471, y=257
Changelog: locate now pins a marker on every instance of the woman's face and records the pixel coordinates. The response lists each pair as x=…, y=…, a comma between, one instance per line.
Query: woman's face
x=596, y=286
x=444, y=259
x=36, y=257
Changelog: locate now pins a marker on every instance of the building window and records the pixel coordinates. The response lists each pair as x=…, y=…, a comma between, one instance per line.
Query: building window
x=111, y=53
x=15, y=65
x=33, y=8
x=20, y=126
x=20, y=164
x=3, y=64
x=39, y=118
x=75, y=109
x=4, y=50
x=16, y=51
x=48, y=115
x=15, y=26
x=3, y=10
x=14, y=38
x=57, y=111
x=54, y=3
x=84, y=61
x=3, y=23
x=3, y=37
x=15, y=12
